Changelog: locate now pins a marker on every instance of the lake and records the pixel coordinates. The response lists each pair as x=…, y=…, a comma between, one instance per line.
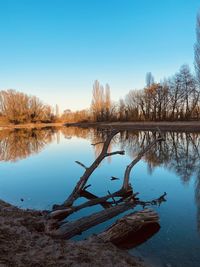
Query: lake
x=38, y=170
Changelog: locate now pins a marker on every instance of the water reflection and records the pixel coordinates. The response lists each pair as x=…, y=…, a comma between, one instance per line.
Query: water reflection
x=180, y=153
x=17, y=144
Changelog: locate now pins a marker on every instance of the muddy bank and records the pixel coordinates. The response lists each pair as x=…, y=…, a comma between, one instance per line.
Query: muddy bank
x=180, y=126
x=23, y=242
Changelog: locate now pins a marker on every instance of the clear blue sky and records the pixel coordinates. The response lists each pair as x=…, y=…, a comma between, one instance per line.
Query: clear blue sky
x=55, y=49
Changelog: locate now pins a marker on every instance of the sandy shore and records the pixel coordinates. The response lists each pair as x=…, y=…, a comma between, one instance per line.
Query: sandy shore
x=23, y=242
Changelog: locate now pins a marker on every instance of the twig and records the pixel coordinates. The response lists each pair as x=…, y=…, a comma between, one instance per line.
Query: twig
x=112, y=198
x=121, y=152
x=136, y=160
x=156, y=201
x=98, y=143
x=81, y=164
x=83, y=180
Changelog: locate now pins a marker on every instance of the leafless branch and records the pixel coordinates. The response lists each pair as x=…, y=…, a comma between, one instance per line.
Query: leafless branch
x=121, y=152
x=137, y=159
x=81, y=164
x=83, y=180
x=97, y=143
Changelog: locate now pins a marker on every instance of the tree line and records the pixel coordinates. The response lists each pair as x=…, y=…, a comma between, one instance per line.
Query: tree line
x=17, y=107
x=175, y=98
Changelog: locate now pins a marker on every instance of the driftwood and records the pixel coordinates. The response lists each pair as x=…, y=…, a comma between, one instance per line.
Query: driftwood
x=130, y=226
x=89, y=170
x=137, y=159
x=70, y=229
x=62, y=212
x=113, y=203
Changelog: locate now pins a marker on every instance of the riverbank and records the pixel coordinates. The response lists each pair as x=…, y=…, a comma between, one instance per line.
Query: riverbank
x=30, y=125
x=24, y=243
x=182, y=126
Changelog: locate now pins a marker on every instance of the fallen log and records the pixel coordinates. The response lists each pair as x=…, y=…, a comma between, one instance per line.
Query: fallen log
x=61, y=212
x=129, y=226
x=62, y=229
x=70, y=229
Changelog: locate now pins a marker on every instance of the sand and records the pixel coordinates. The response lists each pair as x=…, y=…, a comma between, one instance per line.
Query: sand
x=23, y=242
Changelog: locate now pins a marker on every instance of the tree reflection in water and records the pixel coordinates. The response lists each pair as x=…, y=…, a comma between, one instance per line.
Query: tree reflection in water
x=17, y=144
x=180, y=153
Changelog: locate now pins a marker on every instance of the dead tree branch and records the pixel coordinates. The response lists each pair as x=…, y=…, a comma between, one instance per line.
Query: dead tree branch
x=121, y=152
x=126, y=200
x=129, y=224
x=83, y=180
x=70, y=229
x=137, y=159
x=62, y=212
x=98, y=143
x=81, y=164
x=156, y=201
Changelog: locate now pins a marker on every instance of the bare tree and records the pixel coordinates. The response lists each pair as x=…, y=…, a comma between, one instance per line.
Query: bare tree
x=97, y=101
x=107, y=101
x=18, y=107
x=197, y=49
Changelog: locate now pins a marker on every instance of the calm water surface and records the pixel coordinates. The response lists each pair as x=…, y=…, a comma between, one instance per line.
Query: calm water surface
x=39, y=166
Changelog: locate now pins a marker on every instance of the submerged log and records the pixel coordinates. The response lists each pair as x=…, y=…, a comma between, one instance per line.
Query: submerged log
x=133, y=229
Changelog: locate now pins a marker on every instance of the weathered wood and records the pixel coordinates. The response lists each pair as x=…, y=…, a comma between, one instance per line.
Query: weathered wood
x=70, y=229
x=137, y=159
x=89, y=170
x=61, y=212
x=156, y=201
x=127, y=225
x=128, y=200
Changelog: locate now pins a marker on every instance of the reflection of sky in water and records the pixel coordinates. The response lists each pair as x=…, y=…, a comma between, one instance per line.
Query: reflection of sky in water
x=48, y=177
